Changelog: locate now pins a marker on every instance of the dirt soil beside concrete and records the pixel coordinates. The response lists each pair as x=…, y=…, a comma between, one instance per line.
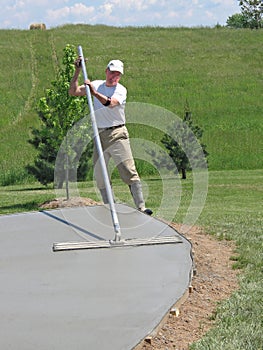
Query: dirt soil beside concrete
x=213, y=282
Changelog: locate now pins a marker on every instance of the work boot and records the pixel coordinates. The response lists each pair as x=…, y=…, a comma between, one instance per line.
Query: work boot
x=136, y=192
x=148, y=211
x=104, y=196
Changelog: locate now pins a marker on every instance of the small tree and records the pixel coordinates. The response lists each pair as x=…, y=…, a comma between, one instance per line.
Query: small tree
x=181, y=144
x=238, y=20
x=58, y=112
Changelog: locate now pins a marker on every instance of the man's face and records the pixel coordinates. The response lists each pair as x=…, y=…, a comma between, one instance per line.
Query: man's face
x=112, y=77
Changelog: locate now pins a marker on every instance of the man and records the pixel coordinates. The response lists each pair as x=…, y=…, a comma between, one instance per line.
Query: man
x=109, y=98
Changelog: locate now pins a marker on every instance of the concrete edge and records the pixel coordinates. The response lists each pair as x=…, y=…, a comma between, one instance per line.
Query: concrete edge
x=155, y=331
x=176, y=306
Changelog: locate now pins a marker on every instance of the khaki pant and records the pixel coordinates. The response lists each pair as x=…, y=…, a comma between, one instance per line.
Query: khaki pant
x=116, y=145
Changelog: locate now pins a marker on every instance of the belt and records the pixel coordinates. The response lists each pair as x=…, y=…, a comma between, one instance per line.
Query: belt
x=113, y=127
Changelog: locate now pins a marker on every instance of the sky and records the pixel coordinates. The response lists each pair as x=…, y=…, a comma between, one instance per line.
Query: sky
x=19, y=14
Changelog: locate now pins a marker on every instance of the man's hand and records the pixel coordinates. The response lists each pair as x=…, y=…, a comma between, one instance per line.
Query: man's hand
x=93, y=91
x=78, y=62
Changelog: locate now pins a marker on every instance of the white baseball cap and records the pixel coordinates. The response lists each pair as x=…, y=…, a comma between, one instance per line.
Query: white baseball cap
x=115, y=66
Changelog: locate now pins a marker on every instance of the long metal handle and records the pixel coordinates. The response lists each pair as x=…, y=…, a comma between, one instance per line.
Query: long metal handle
x=114, y=216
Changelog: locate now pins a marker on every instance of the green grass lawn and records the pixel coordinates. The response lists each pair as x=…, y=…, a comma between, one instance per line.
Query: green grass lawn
x=233, y=211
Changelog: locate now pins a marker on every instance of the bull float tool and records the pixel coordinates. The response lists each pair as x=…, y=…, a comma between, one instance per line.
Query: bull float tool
x=117, y=241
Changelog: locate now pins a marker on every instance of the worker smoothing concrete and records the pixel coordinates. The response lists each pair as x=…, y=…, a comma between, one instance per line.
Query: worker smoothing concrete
x=109, y=98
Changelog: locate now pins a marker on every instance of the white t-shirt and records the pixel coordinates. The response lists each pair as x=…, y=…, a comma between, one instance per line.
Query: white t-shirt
x=107, y=117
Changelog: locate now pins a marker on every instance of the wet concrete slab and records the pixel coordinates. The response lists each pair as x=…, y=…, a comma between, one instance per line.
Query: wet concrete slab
x=88, y=299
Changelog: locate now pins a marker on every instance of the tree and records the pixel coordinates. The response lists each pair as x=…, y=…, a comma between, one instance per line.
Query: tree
x=253, y=11
x=58, y=113
x=183, y=146
x=250, y=16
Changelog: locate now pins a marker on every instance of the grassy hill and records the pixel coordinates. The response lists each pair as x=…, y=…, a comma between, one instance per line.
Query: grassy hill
x=218, y=71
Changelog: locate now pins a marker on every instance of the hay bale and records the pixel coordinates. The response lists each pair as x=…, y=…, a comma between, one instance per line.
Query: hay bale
x=39, y=26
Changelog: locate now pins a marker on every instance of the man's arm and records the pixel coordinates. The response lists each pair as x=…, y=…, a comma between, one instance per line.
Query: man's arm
x=105, y=100
x=79, y=90
x=75, y=89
